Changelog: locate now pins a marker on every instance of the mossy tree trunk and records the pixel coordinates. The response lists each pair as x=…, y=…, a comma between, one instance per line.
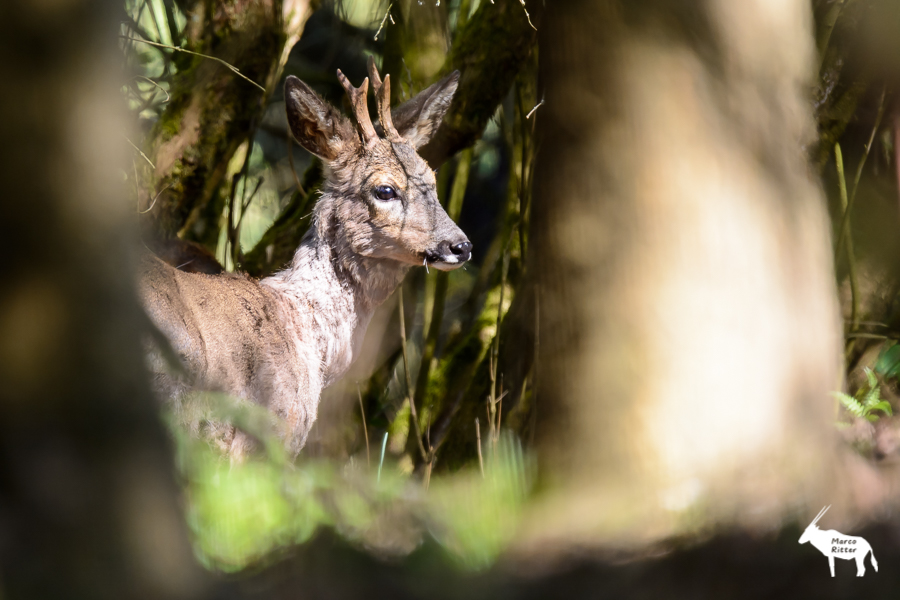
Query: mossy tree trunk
x=212, y=110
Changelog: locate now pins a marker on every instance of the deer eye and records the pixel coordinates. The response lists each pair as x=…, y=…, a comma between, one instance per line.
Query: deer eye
x=385, y=192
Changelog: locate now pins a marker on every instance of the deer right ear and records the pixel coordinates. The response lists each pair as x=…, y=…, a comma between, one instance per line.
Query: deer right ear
x=418, y=119
x=317, y=125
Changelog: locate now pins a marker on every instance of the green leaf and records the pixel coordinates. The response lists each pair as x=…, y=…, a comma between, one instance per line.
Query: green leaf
x=871, y=378
x=888, y=363
x=883, y=406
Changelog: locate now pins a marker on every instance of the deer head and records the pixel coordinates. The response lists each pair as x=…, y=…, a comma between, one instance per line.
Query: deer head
x=383, y=194
x=812, y=527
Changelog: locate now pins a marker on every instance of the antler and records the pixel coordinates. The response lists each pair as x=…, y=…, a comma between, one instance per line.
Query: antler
x=383, y=97
x=360, y=108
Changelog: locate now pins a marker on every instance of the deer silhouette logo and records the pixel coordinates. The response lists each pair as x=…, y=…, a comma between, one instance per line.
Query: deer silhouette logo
x=833, y=544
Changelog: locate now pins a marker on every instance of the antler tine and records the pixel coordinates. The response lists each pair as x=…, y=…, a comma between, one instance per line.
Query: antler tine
x=382, y=91
x=360, y=108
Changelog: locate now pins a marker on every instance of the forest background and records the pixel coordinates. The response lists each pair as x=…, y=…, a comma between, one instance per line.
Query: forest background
x=676, y=342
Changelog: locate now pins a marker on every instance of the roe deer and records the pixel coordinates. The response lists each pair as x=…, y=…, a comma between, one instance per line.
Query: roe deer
x=280, y=341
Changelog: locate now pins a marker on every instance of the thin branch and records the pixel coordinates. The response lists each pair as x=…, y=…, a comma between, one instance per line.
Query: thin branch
x=527, y=16
x=290, y=153
x=871, y=336
x=410, y=392
x=140, y=152
x=177, y=49
x=155, y=198
x=381, y=462
x=157, y=85
x=478, y=439
x=846, y=218
x=362, y=411
x=386, y=15
x=536, y=106
x=845, y=223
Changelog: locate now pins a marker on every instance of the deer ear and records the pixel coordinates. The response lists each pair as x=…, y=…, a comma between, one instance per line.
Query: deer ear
x=418, y=119
x=317, y=125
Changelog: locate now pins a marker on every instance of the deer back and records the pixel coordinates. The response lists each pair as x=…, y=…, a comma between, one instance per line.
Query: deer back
x=227, y=331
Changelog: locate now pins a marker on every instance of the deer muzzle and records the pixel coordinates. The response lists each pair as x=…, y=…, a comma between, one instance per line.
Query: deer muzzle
x=449, y=254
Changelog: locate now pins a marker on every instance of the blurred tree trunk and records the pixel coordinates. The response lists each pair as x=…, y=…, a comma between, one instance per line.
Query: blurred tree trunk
x=212, y=110
x=689, y=326
x=88, y=498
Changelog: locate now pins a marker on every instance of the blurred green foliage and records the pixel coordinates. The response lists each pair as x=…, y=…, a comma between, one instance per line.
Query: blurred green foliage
x=242, y=513
x=866, y=400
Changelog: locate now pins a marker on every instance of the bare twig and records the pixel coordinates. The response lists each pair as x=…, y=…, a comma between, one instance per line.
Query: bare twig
x=381, y=462
x=534, y=367
x=290, y=153
x=155, y=198
x=177, y=49
x=150, y=162
x=386, y=16
x=478, y=439
x=844, y=228
x=409, y=388
x=427, y=479
x=527, y=16
x=494, y=354
x=871, y=336
x=162, y=89
x=536, y=106
x=845, y=224
x=362, y=411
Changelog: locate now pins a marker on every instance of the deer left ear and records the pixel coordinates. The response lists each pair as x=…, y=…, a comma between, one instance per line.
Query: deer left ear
x=418, y=119
x=315, y=124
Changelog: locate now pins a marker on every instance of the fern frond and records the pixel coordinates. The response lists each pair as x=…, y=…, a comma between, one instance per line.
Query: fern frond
x=852, y=405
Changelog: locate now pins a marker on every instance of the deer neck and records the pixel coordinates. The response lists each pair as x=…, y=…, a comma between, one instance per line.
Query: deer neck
x=329, y=293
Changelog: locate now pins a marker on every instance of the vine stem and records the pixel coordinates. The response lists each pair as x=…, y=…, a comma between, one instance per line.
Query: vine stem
x=844, y=229
x=845, y=224
x=231, y=67
x=409, y=388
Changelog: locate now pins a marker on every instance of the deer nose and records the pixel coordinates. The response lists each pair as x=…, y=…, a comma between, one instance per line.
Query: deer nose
x=462, y=249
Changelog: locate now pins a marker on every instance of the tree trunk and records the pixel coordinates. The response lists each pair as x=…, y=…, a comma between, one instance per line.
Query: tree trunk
x=213, y=110
x=689, y=332
x=89, y=505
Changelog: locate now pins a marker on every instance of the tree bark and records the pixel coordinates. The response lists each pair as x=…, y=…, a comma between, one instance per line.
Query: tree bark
x=212, y=110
